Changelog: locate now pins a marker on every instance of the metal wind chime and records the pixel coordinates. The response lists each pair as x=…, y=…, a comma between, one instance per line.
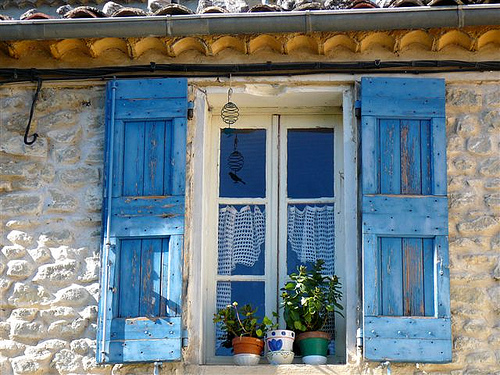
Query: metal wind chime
x=235, y=161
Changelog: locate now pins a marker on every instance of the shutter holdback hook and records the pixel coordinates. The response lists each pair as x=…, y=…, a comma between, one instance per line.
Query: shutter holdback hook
x=32, y=110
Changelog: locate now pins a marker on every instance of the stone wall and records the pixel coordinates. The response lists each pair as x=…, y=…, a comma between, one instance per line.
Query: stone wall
x=50, y=199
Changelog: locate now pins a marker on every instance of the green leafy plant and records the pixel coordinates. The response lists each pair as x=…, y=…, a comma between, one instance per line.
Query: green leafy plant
x=309, y=297
x=242, y=322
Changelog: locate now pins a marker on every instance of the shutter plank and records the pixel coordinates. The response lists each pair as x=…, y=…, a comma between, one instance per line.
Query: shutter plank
x=369, y=155
x=391, y=275
x=413, y=284
x=429, y=277
x=154, y=165
x=133, y=159
x=130, y=275
x=410, y=158
x=390, y=155
x=425, y=153
x=150, y=277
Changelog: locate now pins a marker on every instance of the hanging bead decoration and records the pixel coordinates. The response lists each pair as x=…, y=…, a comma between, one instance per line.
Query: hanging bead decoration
x=230, y=112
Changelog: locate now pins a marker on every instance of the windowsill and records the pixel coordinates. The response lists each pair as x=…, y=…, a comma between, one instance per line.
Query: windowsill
x=265, y=369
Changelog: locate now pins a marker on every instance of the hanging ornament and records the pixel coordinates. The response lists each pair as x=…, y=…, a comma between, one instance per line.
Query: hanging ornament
x=230, y=112
x=235, y=162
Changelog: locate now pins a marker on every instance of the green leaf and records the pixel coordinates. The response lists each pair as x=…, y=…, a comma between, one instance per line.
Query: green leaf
x=259, y=332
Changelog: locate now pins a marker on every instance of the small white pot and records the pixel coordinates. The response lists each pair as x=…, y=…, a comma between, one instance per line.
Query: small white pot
x=280, y=357
x=246, y=359
x=280, y=339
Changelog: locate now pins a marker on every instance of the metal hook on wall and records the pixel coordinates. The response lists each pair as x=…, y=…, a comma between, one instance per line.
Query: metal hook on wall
x=32, y=110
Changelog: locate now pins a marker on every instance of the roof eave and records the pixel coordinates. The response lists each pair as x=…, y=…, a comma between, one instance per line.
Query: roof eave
x=254, y=23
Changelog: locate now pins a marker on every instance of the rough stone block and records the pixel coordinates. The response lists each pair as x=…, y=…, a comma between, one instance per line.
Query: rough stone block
x=38, y=354
x=492, y=120
x=25, y=365
x=494, y=293
x=25, y=330
x=26, y=295
x=454, y=143
x=459, y=200
x=467, y=294
x=20, y=238
x=24, y=314
x=91, y=270
x=4, y=330
x=40, y=254
x=93, y=198
x=20, y=204
x=58, y=313
x=492, y=184
x=60, y=201
x=80, y=176
x=90, y=313
x=480, y=224
x=61, y=119
x=57, y=272
x=5, y=367
x=4, y=286
x=56, y=238
x=54, y=345
x=19, y=269
x=479, y=145
x=466, y=343
x=82, y=346
x=74, y=295
x=67, y=361
x=13, y=144
x=9, y=348
x=484, y=357
x=492, y=200
x=67, y=154
x=22, y=224
x=464, y=163
x=13, y=252
x=461, y=96
x=65, y=135
x=476, y=327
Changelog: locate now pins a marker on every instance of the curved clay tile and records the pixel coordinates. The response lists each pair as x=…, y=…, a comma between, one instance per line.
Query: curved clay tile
x=129, y=12
x=226, y=42
x=84, y=12
x=264, y=41
x=309, y=6
x=438, y=3
x=61, y=48
x=302, y=42
x=406, y=3
x=381, y=39
x=140, y=46
x=455, y=37
x=187, y=44
x=337, y=4
x=99, y=46
x=62, y=10
x=22, y=48
x=492, y=36
x=213, y=9
x=173, y=10
x=340, y=40
x=3, y=17
x=265, y=8
x=360, y=4
x=419, y=37
x=111, y=7
x=34, y=14
x=489, y=2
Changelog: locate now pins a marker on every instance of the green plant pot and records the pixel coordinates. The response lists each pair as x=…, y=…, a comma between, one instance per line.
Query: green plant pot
x=313, y=343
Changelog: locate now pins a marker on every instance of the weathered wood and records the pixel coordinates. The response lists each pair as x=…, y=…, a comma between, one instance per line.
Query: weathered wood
x=413, y=275
x=390, y=155
x=405, y=221
x=146, y=217
x=391, y=276
x=408, y=216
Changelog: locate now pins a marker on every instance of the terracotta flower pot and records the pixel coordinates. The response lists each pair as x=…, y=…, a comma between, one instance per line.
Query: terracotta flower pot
x=251, y=345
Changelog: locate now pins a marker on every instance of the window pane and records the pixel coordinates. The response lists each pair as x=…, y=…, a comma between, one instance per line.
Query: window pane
x=311, y=236
x=243, y=163
x=242, y=233
x=242, y=292
x=310, y=163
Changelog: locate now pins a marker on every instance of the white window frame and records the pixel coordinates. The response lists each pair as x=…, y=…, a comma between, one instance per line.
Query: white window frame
x=203, y=228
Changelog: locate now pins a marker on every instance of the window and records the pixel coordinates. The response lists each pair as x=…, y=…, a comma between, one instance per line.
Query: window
x=266, y=217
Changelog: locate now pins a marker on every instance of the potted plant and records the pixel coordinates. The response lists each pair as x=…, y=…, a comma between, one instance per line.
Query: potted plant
x=244, y=332
x=308, y=300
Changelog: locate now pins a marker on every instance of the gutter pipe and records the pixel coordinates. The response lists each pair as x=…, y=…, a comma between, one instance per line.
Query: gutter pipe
x=254, y=23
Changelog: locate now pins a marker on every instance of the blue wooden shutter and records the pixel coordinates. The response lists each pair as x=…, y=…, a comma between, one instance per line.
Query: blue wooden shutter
x=405, y=220
x=143, y=221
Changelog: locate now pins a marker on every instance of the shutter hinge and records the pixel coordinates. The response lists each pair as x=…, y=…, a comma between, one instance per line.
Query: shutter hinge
x=185, y=338
x=357, y=108
x=190, y=111
x=359, y=337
